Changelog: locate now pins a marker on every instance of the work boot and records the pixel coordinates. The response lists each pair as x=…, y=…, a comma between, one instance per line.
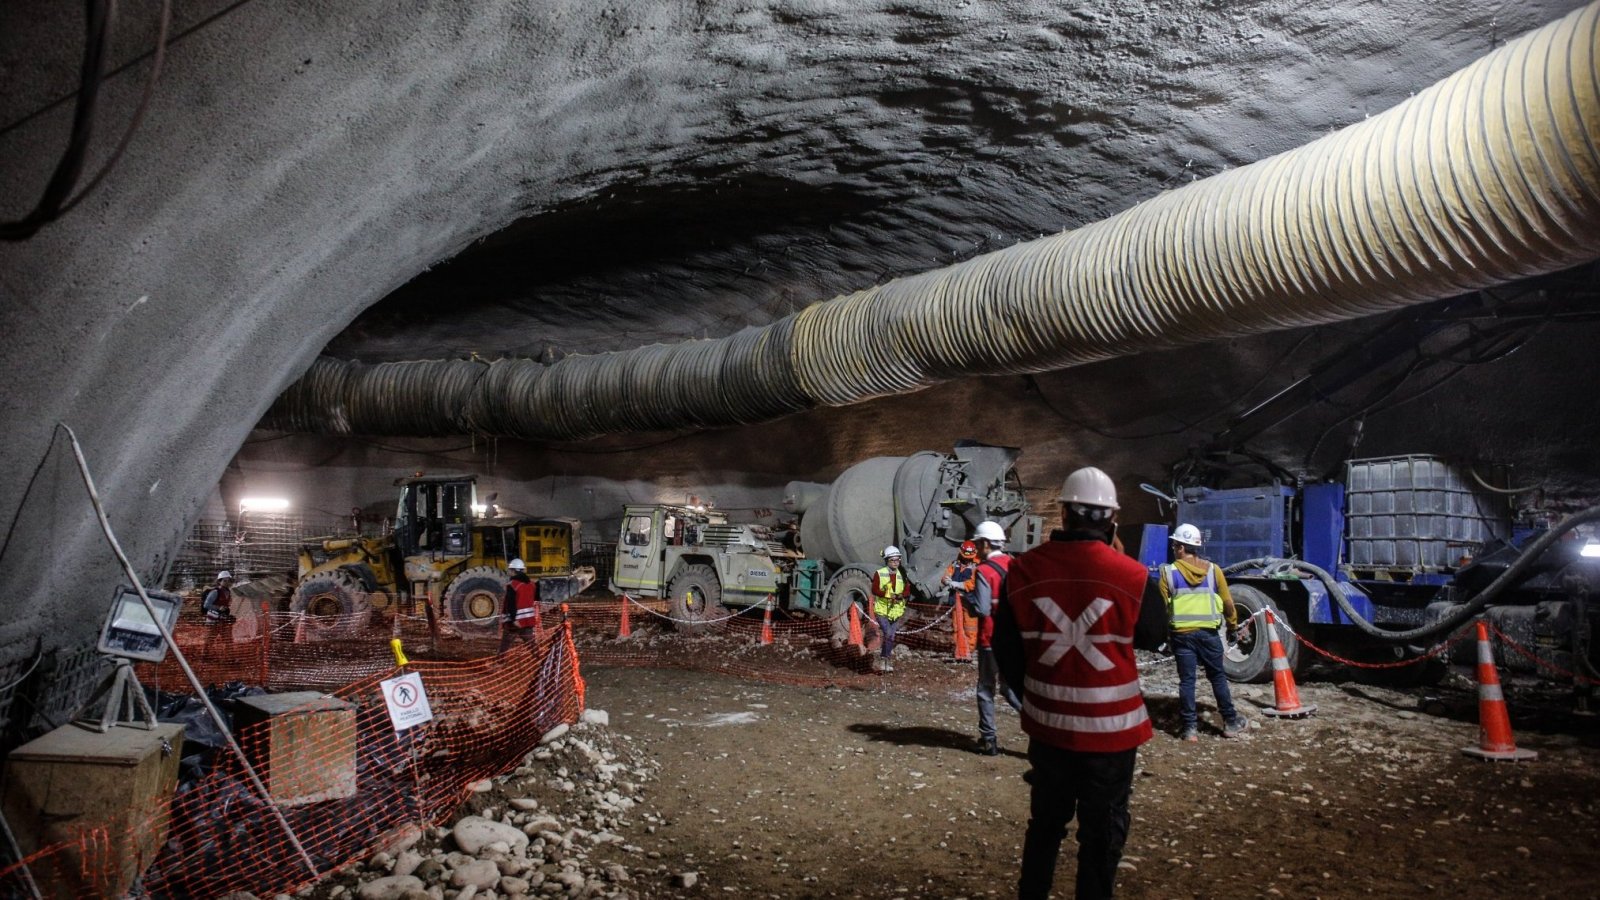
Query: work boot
x=1191, y=735
x=887, y=665
x=1236, y=727
x=988, y=747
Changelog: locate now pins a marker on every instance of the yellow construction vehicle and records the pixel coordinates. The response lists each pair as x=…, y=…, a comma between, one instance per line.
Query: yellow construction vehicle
x=444, y=550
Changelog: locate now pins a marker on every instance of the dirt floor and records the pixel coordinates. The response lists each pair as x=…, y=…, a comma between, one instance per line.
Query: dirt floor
x=778, y=791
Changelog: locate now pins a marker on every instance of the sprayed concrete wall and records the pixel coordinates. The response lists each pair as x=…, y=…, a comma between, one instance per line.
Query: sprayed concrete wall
x=644, y=171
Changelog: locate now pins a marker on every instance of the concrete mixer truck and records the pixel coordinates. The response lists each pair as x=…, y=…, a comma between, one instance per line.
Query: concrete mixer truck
x=823, y=559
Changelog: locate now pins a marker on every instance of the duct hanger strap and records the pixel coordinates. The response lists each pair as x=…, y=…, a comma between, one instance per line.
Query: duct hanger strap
x=1486, y=177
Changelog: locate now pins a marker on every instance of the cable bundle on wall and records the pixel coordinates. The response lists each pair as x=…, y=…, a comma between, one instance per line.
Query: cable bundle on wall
x=1488, y=176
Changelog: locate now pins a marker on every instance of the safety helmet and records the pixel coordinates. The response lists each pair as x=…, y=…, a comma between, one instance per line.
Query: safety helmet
x=891, y=552
x=968, y=548
x=1089, y=487
x=1186, y=534
x=517, y=565
x=990, y=531
x=224, y=574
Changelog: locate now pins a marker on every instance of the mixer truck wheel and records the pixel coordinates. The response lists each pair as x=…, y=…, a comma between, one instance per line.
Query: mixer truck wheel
x=853, y=586
x=694, y=598
x=334, y=604
x=475, y=601
x=1251, y=660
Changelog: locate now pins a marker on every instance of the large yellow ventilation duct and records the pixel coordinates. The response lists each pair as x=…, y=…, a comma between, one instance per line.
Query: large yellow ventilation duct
x=1488, y=176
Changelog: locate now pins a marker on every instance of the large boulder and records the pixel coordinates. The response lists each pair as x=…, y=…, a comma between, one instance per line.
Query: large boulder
x=473, y=833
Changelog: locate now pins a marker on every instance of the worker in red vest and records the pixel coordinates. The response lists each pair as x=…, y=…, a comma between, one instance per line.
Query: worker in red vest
x=521, y=608
x=1071, y=612
x=991, y=577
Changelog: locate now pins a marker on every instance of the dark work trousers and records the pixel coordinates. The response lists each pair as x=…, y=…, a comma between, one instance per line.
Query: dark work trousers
x=988, y=683
x=511, y=633
x=1201, y=650
x=889, y=627
x=1096, y=787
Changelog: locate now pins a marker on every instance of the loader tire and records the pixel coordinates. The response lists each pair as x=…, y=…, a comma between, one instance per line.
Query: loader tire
x=1253, y=664
x=334, y=605
x=475, y=600
x=694, y=598
x=853, y=586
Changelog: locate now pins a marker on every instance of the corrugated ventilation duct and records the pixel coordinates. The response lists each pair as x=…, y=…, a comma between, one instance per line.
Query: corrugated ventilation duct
x=1488, y=176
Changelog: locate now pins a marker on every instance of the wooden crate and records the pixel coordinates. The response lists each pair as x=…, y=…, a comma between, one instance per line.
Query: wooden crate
x=303, y=744
x=75, y=779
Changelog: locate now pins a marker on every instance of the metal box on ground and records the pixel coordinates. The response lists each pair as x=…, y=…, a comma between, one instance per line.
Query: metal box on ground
x=74, y=780
x=1415, y=513
x=303, y=744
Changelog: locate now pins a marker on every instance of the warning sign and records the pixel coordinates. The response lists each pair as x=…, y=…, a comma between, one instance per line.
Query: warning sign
x=408, y=703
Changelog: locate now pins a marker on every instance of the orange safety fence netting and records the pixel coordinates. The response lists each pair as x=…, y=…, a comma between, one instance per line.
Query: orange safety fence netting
x=342, y=786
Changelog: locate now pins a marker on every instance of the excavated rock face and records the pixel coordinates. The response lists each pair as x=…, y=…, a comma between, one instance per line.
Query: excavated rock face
x=492, y=178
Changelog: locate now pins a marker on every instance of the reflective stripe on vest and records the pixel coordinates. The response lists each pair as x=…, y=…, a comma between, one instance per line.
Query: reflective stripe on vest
x=1193, y=606
x=889, y=593
x=527, y=598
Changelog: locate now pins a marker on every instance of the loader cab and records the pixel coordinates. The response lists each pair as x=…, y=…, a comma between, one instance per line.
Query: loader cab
x=435, y=516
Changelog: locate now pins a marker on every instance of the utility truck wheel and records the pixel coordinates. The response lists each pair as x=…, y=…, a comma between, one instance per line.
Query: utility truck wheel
x=694, y=598
x=334, y=604
x=475, y=601
x=853, y=587
x=1251, y=660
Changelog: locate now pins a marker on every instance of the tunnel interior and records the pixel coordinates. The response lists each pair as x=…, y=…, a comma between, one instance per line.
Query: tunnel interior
x=475, y=184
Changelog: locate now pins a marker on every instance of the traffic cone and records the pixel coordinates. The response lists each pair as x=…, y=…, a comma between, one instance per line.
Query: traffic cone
x=1494, y=725
x=1286, y=695
x=624, y=629
x=959, y=623
x=766, y=623
x=855, y=629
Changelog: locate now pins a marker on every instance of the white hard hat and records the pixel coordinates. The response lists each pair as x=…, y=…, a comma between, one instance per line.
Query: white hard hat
x=990, y=531
x=1186, y=534
x=224, y=574
x=891, y=552
x=1089, y=487
x=517, y=565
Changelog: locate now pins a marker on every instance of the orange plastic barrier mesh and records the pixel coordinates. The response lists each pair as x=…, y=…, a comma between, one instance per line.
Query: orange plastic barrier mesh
x=489, y=712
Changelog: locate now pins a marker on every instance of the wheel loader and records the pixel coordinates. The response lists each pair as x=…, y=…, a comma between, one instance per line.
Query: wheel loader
x=445, y=551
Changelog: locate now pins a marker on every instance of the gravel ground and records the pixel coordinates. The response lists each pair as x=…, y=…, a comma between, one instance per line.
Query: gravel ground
x=710, y=785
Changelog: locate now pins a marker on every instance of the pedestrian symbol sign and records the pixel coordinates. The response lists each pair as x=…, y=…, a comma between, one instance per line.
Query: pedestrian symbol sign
x=407, y=701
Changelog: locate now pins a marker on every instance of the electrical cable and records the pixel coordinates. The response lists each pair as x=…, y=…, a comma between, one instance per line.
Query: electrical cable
x=138, y=112
x=1508, y=491
x=98, y=18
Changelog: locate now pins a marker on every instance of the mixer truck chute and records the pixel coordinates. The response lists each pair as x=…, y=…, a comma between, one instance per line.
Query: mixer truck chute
x=926, y=503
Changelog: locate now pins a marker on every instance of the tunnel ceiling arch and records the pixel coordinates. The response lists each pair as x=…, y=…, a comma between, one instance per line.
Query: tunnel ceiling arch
x=295, y=170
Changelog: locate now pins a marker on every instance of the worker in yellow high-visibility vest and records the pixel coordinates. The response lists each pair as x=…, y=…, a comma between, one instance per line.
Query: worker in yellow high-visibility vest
x=889, y=590
x=1198, y=603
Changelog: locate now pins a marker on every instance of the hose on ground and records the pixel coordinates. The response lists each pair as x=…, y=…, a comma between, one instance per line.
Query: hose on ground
x=1506, y=580
x=1488, y=176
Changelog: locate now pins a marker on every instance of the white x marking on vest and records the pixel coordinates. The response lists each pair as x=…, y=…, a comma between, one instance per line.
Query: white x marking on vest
x=1073, y=633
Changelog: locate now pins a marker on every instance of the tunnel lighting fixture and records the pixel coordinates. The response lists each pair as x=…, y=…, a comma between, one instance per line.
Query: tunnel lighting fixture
x=1592, y=548
x=263, y=504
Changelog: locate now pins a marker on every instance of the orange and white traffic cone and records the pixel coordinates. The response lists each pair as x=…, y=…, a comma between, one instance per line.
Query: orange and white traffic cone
x=855, y=629
x=624, y=629
x=1285, y=694
x=958, y=621
x=766, y=623
x=1494, y=724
